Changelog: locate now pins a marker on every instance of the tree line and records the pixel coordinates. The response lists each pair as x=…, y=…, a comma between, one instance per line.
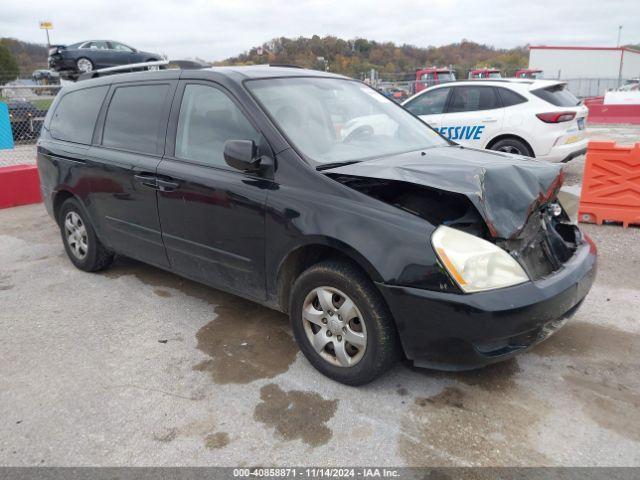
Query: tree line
x=355, y=58
x=20, y=59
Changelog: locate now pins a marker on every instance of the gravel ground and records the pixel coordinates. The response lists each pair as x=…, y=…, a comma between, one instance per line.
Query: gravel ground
x=136, y=366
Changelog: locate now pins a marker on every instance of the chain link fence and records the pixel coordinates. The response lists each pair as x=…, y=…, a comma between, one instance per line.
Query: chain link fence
x=592, y=87
x=23, y=106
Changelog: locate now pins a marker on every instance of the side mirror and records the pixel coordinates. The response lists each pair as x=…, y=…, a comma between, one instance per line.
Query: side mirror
x=241, y=155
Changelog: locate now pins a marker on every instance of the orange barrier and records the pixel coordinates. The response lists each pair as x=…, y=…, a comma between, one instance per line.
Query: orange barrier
x=611, y=184
x=19, y=185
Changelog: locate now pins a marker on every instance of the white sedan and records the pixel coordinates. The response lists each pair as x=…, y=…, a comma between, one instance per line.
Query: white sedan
x=536, y=118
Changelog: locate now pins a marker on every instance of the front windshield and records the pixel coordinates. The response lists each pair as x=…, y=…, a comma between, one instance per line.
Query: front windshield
x=332, y=120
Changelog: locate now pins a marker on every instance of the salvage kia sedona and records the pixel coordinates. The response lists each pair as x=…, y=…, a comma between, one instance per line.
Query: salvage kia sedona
x=253, y=180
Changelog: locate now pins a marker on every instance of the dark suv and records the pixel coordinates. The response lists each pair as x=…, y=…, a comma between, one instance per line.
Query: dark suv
x=313, y=194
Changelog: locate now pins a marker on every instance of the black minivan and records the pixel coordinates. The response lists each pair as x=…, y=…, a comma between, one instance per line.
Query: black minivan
x=313, y=194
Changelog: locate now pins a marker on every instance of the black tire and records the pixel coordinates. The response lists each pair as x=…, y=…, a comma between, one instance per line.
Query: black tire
x=512, y=145
x=96, y=255
x=382, y=345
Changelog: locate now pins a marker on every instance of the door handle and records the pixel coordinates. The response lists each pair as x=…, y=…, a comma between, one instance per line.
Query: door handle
x=166, y=185
x=146, y=179
x=489, y=120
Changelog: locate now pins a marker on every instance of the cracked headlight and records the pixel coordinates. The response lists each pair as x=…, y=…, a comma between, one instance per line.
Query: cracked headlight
x=474, y=263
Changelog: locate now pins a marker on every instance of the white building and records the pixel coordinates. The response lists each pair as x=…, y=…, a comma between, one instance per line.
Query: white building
x=588, y=70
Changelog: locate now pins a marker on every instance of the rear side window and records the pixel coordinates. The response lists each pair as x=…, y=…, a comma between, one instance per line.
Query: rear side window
x=472, y=98
x=135, y=118
x=557, y=95
x=76, y=114
x=429, y=103
x=509, y=97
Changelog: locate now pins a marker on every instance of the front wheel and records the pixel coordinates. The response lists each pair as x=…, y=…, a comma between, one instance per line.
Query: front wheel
x=342, y=324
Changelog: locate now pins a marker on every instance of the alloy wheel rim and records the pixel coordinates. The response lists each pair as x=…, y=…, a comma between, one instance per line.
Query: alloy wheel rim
x=76, y=235
x=334, y=326
x=84, y=65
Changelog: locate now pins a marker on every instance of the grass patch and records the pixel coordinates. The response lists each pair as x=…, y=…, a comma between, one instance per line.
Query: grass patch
x=42, y=103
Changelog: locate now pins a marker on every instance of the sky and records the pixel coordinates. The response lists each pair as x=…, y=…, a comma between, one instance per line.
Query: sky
x=217, y=29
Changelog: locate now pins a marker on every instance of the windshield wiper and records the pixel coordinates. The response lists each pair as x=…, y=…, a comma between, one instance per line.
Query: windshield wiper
x=327, y=166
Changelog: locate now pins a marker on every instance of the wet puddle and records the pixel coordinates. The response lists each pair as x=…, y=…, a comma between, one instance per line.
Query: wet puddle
x=216, y=440
x=588, y=339
x=296, y=414
x=484, y=419
x=245, y=342
x=609, y=394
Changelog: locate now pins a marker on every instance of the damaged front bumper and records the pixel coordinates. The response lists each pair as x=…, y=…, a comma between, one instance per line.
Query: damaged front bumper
x=449, y=331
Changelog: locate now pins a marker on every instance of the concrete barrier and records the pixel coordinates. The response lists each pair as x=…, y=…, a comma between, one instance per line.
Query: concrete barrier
x=601, y=113
x=19, y=185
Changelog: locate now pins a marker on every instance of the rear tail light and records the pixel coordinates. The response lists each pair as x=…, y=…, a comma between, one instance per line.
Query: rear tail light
x=556, y=117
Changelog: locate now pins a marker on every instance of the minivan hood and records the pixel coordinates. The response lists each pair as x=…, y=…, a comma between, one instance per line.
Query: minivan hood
x=504, y=188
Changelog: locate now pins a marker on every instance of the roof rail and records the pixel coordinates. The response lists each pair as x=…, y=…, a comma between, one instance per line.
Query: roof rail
x=285, y=65
x=122, y=68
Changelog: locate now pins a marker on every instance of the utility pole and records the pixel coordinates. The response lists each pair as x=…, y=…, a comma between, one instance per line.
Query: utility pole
x=621, y=57
x=46, y=26
x=619, y=34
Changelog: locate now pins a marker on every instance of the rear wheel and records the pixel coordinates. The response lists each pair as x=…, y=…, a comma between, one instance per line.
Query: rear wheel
x=342, y=324
x=84, y=65
x=83, y=248
x=512, y=145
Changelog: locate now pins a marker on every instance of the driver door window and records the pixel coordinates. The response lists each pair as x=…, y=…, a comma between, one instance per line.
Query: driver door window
x=208, y=118
x=95, y=46
x=119, y=47
x=430, y=105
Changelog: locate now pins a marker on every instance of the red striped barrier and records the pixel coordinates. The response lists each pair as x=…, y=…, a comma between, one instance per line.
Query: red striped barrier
x=614, y=114
x=19, y=185
x=601, y=113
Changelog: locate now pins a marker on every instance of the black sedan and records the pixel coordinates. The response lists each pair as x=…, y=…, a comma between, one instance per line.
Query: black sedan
x=91, y=55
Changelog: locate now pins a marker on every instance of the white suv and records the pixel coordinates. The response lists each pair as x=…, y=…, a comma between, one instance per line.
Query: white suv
x=537, y=118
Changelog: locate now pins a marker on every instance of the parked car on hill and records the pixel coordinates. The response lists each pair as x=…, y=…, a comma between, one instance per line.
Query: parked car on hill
x=91, y=55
